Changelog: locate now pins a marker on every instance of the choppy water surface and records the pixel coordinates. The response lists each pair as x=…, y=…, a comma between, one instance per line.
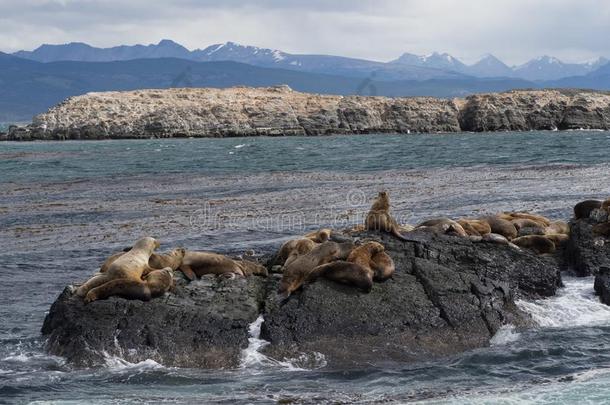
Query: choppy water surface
x=66, y=206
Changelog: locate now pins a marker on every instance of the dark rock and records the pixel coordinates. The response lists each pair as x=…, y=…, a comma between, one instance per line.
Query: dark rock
x=204, y=324
x=602, y=285
x=447, y=295
x=585, y=252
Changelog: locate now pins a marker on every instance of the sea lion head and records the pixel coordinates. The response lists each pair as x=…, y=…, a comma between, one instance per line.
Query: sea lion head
x=147, y=243
x=178, y=252
x=373, y=247
x=290, y=283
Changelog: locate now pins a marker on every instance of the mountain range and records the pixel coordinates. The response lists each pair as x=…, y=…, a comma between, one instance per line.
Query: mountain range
x=31, y=82
x=407, y=67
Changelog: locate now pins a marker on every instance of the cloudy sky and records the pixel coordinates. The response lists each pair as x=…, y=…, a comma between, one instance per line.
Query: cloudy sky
x=514, y=30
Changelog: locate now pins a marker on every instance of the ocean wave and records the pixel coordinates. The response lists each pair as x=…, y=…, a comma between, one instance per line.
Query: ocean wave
x=574, y=305
x=505, y=335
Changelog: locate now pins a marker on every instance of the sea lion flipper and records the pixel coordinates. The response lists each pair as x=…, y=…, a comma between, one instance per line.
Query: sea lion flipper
x=93, y=282
x=188, y=273
x=398, y=234
x=122, y=287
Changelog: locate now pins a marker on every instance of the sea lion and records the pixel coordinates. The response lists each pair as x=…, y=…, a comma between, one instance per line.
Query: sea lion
x=559, y=239
x=154, y=284
x=474, y=227
x=501, y=226
x=583, y=209
x=602, y=229
x=196, y=264
x=558, y=227
x=527, y=215
x=444, y=225
x=527, y=223
x=363, y=254
x=129, y=266
x=345, y=272
x=172, y=259
x=531, y=230
x=319, y=236
x=301, y=269
x=379, y=218
x=383, y=266
x=301, y=246
x=606, y=205
x=495, y=238
x=538, y=243
x=250, y=268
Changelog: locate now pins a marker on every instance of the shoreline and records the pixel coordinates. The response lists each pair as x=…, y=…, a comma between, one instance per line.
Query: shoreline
x=281, y=112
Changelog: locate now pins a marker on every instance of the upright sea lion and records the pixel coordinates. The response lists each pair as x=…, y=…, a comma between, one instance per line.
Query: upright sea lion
x=379, y=218
x=501, y=226
x=474, y=227
x=602, y=229
x=583, y=209
x=154, y=284
x=300, y=270
x=558, y=227
x=127, y=269
x=538, y=243
x=172, y=259
x=319, y=236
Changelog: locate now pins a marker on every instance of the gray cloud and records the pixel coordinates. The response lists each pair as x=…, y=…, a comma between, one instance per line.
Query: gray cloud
x=514, y=30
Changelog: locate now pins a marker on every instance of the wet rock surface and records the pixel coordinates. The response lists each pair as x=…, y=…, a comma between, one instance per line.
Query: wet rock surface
x=276, y=111
x=448, y=295
x=586, y=253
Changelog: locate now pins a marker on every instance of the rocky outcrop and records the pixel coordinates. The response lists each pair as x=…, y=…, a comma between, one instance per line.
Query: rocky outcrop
x=448, y=295
x=586, y=253
x=278, y=111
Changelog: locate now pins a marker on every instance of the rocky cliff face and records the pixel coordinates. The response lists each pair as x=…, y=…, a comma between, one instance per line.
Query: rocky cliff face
x=279, y=111
x=448, y=295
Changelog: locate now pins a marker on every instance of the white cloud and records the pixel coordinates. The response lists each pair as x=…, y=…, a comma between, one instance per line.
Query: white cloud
x=514, y=30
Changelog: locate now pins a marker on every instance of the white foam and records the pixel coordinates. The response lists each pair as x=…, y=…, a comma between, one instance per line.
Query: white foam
x=505, y=335
x=574, y=305
x=240, y=146
x=116, y=363
x=253, y=360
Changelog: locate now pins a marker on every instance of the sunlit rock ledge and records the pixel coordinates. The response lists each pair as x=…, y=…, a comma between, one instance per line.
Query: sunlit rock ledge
x=280, y=111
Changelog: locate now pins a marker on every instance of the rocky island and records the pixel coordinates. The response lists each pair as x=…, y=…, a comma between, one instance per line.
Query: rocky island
x=280, y=111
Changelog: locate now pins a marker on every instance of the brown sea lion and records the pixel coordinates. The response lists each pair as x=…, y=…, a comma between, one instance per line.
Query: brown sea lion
x=495, y=238
x=363, y=254
x=345, y=272
x=383, y=266
x=538, y=243
x=559, y=239
x=527, y=215
x=319, y=236
x=558, y=227
x=301, y=246
x=531, y=230
x=197, y=264
x=379, y=218
x=527, y=223
x=154, y=284
x=583, y=209
x=250, y=268
x=172, y=259
x=501, y=226
x=602, y=229
x=444, y=225
x=301, y=269
x=606, y=205
x=474, y=227
x=130, y=265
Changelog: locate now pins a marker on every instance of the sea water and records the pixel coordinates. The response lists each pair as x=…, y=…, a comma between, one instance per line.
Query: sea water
x=65, y=206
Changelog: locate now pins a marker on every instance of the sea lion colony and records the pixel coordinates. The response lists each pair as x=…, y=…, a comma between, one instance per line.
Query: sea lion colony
x=140, y=273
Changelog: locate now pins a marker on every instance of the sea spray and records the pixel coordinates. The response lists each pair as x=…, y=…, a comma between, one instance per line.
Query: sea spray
x=574, y=305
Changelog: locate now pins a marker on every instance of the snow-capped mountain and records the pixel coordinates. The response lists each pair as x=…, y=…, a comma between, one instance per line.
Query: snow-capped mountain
x=239, y=53
x=550, y=68
x=435, y=60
